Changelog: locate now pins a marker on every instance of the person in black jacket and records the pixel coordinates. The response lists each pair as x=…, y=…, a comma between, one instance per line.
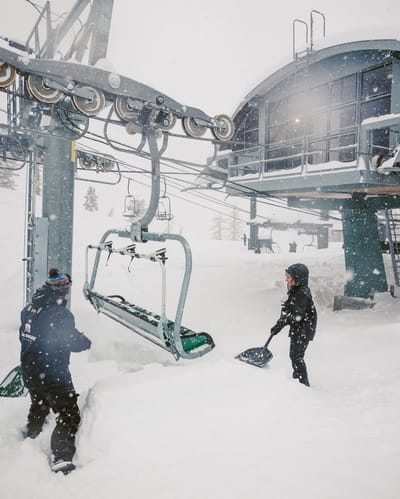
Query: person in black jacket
x=299, y=313
x=48, y=336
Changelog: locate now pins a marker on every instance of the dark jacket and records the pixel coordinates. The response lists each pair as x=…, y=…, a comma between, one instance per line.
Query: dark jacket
x=298, y=311
x=48, y=336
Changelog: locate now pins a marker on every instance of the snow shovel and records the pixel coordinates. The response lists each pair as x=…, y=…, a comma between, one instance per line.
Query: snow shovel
x=258, y=356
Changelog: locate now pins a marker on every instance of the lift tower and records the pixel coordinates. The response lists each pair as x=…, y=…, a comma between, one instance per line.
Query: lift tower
x=55, y=227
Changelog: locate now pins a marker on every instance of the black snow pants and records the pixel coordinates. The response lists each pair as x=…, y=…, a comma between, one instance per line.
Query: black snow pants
x=63, y=402
x=298, y=347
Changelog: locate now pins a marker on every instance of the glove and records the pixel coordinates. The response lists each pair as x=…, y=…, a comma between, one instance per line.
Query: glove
x=275, y=330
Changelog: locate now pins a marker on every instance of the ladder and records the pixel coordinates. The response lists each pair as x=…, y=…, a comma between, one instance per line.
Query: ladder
x=393, y=239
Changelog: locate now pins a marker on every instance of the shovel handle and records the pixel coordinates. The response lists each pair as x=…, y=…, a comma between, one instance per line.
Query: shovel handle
x=269, y=340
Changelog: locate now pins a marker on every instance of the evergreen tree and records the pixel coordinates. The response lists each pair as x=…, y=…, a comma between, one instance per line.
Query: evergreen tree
x=235, y=225
x=217, y=228
x=91, y=198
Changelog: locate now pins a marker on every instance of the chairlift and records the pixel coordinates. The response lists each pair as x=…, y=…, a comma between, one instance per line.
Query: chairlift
x=164, y=206
x=131, y=206
x=311, y=244
x=169, y=335
x=164, y=209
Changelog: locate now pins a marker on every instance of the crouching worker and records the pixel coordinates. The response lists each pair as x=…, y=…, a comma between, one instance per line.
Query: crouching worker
x=299, y=313
x=48, y=336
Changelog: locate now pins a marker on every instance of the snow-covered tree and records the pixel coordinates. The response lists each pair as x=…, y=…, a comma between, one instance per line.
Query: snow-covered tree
x=91, y=198
x=235, y=225
x=217, y=227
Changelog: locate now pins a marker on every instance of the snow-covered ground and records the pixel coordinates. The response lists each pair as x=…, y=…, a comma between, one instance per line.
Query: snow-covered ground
x=212, y=428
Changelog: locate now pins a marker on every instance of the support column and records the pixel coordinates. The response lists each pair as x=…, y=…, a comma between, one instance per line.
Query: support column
x=253, y=235
x=58, y=201
x=363, y=255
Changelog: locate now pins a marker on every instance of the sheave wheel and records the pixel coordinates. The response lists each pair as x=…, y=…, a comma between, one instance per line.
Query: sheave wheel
x=7, y=74
x=37, y=88
x=225, y=129
x=89, y=106
x=191, y=128
x=127, y=108
x=165, y=121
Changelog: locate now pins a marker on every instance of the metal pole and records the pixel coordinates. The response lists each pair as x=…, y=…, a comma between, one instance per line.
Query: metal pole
x=58, y=201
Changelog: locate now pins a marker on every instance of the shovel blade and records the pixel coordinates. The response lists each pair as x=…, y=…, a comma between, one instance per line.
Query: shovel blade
x=258, y=356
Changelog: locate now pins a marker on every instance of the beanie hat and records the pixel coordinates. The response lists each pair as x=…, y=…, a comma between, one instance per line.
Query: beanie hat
x=299, y=273
x=59, y=282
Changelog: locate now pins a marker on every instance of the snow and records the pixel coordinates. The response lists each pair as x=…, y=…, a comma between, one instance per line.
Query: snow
x=212, y=427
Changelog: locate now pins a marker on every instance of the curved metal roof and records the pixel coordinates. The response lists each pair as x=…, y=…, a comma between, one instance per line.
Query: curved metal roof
x=314, y=57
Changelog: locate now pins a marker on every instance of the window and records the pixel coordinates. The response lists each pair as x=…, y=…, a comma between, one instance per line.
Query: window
x=277, y=133
x=376, y=82
x=343, y=90
x=277, y=112
x=319, y=97
x=343, y=117
x=375, y=107
x=380, y=141
x=342, y=148
x=319, y=124
x=296, y=106
x=246, y=135
x=317, y=152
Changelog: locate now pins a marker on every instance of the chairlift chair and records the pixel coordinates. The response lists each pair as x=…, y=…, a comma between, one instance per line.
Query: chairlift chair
x=131, y=208
x=310, y=244
x=164, y=209
x=169, y=335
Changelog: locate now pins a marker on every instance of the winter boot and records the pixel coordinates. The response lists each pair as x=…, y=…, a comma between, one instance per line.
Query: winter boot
x=31, y=433
x=304, y=380
x=63, y=466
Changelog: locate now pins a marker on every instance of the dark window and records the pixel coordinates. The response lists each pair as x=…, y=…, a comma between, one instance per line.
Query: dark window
x=251, y=138
x=376, y=82
x=375, y=107
x=252, y=119
x=247, y=131
x=380, y=141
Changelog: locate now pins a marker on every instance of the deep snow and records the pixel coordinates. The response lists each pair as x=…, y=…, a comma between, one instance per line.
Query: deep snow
x=213, y=427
